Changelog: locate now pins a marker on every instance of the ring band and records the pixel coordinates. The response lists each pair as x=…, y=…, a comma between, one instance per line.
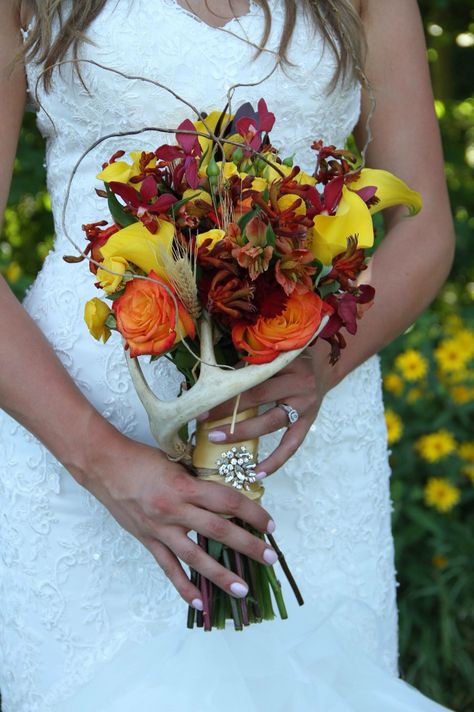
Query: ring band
x=291, y=413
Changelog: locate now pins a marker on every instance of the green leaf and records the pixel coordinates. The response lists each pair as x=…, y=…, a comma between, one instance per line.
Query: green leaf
x=116, y=210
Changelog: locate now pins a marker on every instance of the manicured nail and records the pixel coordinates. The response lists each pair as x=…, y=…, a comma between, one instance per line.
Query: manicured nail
x=203, y=416
x=270, y=556
x=271, y=526
x=217, y=436
x=197, y=604
x=239, y=590
x=260, y=475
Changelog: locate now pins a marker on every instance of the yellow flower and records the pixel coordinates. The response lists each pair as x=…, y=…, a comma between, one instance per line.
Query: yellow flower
x=95, y=314
x=412, y=364
x=328, y=236
x=466, y=451
x=211, y=121
x=440, y=561
x=109, y=282
x=465, y=339
x=414, y=394
x=451, y=356
x=13, y=272
x=141, y=247
x=215, y=235
x=394, y=427
x=390, y=190
x=121, y=171
x=435, y=446
x=393, y=383
x=468, y=470
x=441, y=494
x=462, y=394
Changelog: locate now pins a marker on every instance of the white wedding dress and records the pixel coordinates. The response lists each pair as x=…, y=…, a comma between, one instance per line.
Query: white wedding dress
x=88, y=621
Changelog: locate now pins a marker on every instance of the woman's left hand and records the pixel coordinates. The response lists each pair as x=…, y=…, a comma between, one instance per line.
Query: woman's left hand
x=301, y=385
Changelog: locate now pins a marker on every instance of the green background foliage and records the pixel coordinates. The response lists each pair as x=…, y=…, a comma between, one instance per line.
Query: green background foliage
x=434, y=549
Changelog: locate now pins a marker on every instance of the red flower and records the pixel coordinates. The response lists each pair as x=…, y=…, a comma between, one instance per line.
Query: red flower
x=189, y=151
x=348, y=307
x=97, y=239
x=226, y=296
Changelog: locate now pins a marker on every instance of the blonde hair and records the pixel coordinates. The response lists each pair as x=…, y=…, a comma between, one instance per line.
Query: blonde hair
x=337, y=20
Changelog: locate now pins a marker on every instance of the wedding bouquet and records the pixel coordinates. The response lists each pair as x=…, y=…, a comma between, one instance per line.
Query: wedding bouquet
x=221, y=252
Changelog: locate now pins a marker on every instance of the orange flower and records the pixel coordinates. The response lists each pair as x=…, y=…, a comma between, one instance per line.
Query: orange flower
x=146, y=317
x=268, y=337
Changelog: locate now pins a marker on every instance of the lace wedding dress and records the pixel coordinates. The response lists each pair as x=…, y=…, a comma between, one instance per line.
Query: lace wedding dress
x=88, y=621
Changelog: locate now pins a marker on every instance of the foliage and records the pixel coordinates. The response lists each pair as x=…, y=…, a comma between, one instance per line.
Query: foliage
x=434, y=548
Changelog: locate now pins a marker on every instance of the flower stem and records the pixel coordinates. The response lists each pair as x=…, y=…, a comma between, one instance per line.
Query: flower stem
x=286, y=570
x=233, y=603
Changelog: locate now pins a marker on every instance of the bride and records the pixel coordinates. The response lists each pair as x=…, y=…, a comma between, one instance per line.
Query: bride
x=95, y=520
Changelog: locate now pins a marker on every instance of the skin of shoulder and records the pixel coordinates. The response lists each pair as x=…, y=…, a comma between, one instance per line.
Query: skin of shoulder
x=13, y=93
x=406, y=138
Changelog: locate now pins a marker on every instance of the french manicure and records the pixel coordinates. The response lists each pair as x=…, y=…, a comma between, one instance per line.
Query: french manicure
x=217, y=436
x=270, y=556
x=197, y=604
x=260, y=475
x=239, y=590
x=271, y=526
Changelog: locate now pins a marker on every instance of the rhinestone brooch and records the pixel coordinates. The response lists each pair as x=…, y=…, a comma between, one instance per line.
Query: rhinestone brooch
x=237, y=467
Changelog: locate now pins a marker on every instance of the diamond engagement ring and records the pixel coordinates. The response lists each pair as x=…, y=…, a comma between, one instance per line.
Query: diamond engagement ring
x=292, y=414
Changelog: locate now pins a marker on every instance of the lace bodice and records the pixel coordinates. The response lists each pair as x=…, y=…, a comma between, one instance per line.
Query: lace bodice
x=74, y=586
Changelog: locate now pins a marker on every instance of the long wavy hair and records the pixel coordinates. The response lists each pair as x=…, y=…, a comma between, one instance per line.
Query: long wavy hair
x=337, y=20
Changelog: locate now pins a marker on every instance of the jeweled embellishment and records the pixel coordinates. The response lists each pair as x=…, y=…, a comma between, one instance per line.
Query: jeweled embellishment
x=237, y=467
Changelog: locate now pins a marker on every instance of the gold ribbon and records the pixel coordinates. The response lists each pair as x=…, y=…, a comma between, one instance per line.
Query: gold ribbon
x=206, y=453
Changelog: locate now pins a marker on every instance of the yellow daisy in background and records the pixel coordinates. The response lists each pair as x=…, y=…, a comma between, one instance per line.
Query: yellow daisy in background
x=468, y=470
x=393, y=383
x=465, y=339
x=451, y=355
x=412, y=365
x=394, y=426
x=462, y=394
x=466, y=451
x=414, y=394
x=435, y=446
x=441, y=494
x=440, y=561
x=13, y=272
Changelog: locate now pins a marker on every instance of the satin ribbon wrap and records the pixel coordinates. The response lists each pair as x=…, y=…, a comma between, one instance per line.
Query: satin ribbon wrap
x=206, y=453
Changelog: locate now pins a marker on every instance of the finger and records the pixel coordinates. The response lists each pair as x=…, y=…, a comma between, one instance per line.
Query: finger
x=273, y=419
x=195, y=557
x=175, y=573
x=289, y=444
x=222, y=499
x=235, y=537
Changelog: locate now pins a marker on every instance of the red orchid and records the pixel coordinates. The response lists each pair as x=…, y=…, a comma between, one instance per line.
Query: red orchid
x=147, y=200
x=252, y=126
x=189, y=151
x=348, y=307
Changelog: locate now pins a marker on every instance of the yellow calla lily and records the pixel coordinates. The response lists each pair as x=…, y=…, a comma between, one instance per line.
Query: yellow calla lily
x=328, y=236
x=285, y=201
x=121, y=171
x=211, y=122
x=215, y=235
x=138, y=245
x=257, y=184
x=390, y=190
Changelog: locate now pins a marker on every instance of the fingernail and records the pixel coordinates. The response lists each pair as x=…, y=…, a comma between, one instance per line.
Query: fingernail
x=260, y=475
x=197, y=604
x=271, y=526
x=217, y=436
x=203, y=416
x=239, y=590
x=270, y=556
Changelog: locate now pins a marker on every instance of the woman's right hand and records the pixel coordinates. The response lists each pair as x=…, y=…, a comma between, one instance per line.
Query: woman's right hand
x=159, y=503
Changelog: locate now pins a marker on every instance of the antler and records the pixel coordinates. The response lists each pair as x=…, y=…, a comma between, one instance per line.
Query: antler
x=213, y=387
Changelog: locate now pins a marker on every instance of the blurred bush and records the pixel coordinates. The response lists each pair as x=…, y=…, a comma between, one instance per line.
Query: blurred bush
x=428, y=381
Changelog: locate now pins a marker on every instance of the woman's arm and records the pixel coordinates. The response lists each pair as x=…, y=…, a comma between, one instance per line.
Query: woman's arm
x=415, y=256
x=154, y=499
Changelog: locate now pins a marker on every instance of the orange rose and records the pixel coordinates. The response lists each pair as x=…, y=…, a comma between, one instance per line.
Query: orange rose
x=146, y=316
x=268, y=337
